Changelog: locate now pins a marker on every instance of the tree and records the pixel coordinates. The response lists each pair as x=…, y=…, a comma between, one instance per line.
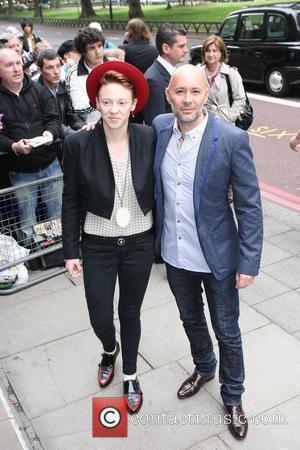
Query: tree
x=37, y=8
x=86, y=9
x=11, y=8
x=135, y=9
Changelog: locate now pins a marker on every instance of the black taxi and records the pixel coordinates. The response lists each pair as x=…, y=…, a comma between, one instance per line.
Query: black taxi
x=264, y=44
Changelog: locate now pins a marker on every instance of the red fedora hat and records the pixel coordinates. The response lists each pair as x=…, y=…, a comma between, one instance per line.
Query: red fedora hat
x=132, y=73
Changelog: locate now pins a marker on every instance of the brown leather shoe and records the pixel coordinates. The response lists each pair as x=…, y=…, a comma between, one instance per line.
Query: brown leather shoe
x=237, y=421
x=192, y=385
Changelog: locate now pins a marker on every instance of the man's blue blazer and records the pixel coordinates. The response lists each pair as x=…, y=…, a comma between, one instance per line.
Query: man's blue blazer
x=224, y=158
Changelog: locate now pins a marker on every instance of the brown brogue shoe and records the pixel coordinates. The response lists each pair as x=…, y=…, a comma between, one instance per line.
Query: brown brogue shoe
x=192, y=385
x=237, y=421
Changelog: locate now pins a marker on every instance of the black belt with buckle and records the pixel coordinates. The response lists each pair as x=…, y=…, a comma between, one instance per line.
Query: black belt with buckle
x=120, y=240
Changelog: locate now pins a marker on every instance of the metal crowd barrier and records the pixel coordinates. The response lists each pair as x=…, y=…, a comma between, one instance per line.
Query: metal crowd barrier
x=45, y=230
x=196, y=26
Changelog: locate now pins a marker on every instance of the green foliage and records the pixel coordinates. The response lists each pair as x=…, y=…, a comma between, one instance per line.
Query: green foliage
x=201, y=12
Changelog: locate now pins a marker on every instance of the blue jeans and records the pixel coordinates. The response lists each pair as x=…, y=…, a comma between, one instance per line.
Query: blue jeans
x=223, y=303
x=51, y=193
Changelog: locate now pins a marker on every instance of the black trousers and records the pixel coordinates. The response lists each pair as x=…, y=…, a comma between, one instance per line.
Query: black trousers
x=130, y=259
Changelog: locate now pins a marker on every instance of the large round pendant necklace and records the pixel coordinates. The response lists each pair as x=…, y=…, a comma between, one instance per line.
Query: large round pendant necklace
x=123, y=213
x=123, y=216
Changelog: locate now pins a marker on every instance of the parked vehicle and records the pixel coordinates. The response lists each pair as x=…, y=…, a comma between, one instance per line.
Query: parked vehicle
x=264, y=44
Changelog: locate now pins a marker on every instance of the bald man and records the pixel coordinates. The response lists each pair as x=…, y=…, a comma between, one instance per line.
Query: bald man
x=197, y=157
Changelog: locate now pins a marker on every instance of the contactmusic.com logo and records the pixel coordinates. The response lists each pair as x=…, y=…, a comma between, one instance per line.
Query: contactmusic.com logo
x=109, y=417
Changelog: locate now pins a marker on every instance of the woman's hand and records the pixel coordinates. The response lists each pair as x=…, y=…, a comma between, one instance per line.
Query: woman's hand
x=73, y=267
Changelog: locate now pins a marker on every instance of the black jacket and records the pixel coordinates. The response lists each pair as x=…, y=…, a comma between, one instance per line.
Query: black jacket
x=140, y=54
x=89, y=181
x=25, y=42
x=65, y=110
x=25, y=116
x=158, y=79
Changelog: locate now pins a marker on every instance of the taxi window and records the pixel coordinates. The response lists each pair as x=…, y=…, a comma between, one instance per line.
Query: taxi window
x=251, y=26
x=276, y=27
x=228, y=28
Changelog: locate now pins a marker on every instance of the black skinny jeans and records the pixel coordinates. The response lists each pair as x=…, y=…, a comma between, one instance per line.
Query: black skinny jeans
x=103, y=262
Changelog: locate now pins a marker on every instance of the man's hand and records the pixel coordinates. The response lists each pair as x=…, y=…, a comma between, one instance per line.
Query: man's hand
x=73, y=267
x=295, y=142
x=243, y=281
x=49, y=135
x=21, y=147
x=88, y=126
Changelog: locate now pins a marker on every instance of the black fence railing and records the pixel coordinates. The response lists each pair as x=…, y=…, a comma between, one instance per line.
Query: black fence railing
x=120, y=25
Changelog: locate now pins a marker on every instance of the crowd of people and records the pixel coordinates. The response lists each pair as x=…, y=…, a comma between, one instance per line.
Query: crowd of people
x=132, y=132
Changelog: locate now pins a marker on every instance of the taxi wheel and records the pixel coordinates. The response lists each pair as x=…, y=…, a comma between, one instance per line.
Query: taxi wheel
x=276, y=82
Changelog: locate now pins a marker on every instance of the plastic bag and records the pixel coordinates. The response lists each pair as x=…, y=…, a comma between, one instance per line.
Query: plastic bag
x=10, y=251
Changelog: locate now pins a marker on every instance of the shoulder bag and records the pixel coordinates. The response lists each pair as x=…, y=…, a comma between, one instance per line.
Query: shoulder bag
x=246, y=118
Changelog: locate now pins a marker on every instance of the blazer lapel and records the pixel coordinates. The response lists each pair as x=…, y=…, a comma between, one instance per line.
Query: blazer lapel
x=206, y=154
x=132, y=150
x=164, y=73
x=163, y=135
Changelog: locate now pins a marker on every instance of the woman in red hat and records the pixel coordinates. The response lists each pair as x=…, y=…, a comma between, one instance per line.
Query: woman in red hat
x=108, y=200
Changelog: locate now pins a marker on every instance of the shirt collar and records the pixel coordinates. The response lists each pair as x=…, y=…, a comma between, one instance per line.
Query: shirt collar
x=52, y=90
x=193, y=134
x=87, y=67
x=82, y=67
x=169, y=68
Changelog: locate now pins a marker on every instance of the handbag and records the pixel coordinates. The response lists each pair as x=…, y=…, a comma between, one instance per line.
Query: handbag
x=246, y=118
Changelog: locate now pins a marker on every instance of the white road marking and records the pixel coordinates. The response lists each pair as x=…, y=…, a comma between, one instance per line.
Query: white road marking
x=276, y=100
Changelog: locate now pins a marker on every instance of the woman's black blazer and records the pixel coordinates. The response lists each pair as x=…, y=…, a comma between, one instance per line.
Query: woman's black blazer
x=89, y=181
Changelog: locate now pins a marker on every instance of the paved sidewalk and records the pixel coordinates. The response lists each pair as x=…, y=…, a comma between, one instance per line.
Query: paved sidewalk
x=49, y=358
x=11, y=435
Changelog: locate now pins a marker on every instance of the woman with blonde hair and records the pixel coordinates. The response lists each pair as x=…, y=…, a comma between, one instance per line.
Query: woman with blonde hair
x=138, y=50
x=218, y=74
